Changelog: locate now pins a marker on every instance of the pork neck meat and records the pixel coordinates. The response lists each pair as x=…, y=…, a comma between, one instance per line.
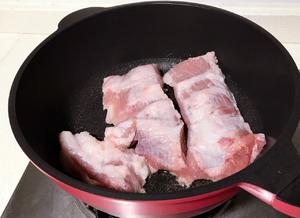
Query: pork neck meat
x=125, y=95
x=102, y=163
x=140, y=110
x=220, y=142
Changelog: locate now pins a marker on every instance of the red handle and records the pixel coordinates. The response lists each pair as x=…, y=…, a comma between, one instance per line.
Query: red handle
x=273, y=199
x=276, y=179
x=286, y=208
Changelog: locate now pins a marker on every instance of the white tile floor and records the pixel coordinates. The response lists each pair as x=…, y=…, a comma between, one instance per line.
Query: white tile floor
x=18, y=37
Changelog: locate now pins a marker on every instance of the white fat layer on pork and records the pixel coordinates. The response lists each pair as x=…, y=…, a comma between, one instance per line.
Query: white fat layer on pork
x=161, y=110
x=145, y=94
x=160, y=139
x=98, y=155
x=142, y=74
x=121, y=135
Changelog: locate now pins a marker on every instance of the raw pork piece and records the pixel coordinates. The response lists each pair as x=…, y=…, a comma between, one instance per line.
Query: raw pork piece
x=126, y=95
x=101, y=163
x=220, y=142
x=160, y=137
x=121, y=135
x=141, y=111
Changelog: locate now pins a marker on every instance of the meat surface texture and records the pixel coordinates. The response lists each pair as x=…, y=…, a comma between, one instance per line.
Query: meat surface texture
x=102, y=163
x=138, y=106
x=220, y=142
x=121, y=135
x=126, y=95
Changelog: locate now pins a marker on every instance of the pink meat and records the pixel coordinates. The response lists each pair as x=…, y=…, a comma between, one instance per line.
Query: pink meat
x=121, y=135
x=101, y=163
x=220, y=142
x=139, y=108
x=160, y=137
x=126, y=95
x=161, y=110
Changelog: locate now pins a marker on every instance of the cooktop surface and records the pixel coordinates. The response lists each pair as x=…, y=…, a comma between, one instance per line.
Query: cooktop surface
x=37, y=196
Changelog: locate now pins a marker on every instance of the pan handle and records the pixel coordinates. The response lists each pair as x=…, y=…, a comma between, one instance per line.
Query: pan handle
x=276, y=180
x=288, y=199
x=76, y=16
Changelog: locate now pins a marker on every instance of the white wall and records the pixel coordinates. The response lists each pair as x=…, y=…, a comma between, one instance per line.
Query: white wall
x=280, y=5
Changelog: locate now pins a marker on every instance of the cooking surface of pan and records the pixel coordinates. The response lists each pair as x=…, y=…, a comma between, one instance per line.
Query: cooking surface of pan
x=85, y=113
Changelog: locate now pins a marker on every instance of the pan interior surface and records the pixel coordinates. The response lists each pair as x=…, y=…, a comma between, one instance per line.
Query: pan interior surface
x=85, y=113
x=60, y=88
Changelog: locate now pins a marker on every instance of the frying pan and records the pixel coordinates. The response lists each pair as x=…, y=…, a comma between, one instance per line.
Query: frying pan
x=58, y=87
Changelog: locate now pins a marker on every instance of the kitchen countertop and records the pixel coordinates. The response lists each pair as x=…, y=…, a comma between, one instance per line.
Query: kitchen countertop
x=14, y=48
x=22, y=29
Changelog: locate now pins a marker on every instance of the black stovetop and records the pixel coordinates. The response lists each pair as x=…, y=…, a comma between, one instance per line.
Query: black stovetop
x=36, y=196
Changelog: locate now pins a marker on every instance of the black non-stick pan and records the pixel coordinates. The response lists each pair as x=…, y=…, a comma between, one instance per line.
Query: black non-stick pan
x=58, y=88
